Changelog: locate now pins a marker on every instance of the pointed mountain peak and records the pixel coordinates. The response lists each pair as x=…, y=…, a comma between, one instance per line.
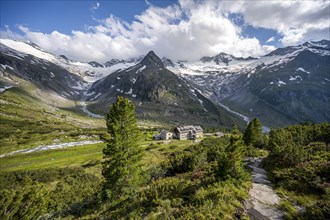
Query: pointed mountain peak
x=151, y=59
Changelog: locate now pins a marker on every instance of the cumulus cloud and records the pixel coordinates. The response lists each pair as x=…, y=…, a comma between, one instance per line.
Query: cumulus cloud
x=187, y=30
x=295, y=21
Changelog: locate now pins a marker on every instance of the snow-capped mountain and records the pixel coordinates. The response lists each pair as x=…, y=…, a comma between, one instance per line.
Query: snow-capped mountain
x=290, y=84
x=158, y=94
x=223, y=58
x=90, y=72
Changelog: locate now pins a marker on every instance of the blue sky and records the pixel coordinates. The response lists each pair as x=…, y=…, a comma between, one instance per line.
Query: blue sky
x=131, y=28
x=64, y=16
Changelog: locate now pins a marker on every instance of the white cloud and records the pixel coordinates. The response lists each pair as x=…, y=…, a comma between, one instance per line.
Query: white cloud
x=147, y=2
x=95, y=7
x=7, y=33
x=271, y=39
x=187, y=30
x=296, y=21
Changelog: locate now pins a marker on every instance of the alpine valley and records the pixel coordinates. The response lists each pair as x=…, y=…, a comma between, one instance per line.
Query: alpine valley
x=287, y=86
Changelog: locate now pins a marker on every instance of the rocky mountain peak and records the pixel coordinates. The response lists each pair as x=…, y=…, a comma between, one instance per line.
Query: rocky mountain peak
x=167, y=62
x=95, y=64
x=151, y=59
x=218, y=59
x=64, y=57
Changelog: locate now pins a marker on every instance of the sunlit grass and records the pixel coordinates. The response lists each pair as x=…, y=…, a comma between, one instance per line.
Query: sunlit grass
x=74, y=156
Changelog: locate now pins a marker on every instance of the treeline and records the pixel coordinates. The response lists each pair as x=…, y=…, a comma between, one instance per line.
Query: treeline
x=299, y=162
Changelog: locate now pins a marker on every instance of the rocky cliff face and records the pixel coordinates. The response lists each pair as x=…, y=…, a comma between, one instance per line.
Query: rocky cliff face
x=158, y=94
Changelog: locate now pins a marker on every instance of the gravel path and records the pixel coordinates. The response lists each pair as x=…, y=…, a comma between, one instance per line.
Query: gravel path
x=263, y=201
x=49, y=147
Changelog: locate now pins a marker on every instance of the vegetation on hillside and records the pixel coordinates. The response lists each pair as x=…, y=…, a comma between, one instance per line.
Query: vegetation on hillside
x=47, y=193
x=299, y=164
x=203, y=181
x=27, y=122
x=179, y=180
x=146, y=179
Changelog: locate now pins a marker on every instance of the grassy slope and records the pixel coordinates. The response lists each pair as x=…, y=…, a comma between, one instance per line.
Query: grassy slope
x=154, y=153
x=27, y=121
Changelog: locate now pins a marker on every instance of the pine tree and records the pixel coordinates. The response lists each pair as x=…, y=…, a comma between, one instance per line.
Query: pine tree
x=121, y=153
x=253, y=133
x=230, y=162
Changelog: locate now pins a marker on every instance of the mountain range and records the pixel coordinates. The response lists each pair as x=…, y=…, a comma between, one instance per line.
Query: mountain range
x=289, y=85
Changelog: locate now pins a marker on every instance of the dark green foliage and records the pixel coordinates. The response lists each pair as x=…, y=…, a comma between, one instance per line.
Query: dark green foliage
x=191, y=184
x=121, y=154
x=225, y=161
x=28, y=195
x=253, y=134
x=230, y=163
x=299, y=161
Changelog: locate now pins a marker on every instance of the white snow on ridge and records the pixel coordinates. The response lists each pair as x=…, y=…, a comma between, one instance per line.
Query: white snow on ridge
x=292, y=78
x=89, y=94
x=129, y=92
x=6, y=66
x=140, y=69
x=280, y=82
x=133, y=80
x=201, y=102
x=302, y=70
x=5, y=88
x=198, y=68
x=28, y=49
x=23, y=49
x=320, y=52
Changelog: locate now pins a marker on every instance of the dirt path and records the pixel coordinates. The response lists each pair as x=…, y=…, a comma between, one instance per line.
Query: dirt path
x=263, y=201
x=51, y=146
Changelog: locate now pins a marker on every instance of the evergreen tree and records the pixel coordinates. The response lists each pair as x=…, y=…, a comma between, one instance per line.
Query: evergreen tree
x=121, y=153
x=253, y=133
x=230, y=161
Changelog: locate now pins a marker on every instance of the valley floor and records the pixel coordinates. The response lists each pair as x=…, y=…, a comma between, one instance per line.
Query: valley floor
x=51, y=147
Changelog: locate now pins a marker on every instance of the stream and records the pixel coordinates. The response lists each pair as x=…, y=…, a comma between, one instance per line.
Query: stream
x=244, y=117
x=50, y=147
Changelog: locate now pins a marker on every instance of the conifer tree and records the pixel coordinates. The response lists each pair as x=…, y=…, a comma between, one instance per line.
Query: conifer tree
x=121, y=153
x=230, y=161
x=253, y=133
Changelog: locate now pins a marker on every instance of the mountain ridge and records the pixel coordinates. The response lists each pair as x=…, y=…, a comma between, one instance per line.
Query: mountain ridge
x=222, y=78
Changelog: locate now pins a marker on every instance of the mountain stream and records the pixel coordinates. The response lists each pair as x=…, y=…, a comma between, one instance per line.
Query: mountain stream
x=51, y=147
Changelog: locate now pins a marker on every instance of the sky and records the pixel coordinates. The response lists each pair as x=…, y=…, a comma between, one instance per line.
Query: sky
x=182, y=29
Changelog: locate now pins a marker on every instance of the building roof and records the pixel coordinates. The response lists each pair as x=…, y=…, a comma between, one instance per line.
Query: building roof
x=189, y=128
x=165, y=131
